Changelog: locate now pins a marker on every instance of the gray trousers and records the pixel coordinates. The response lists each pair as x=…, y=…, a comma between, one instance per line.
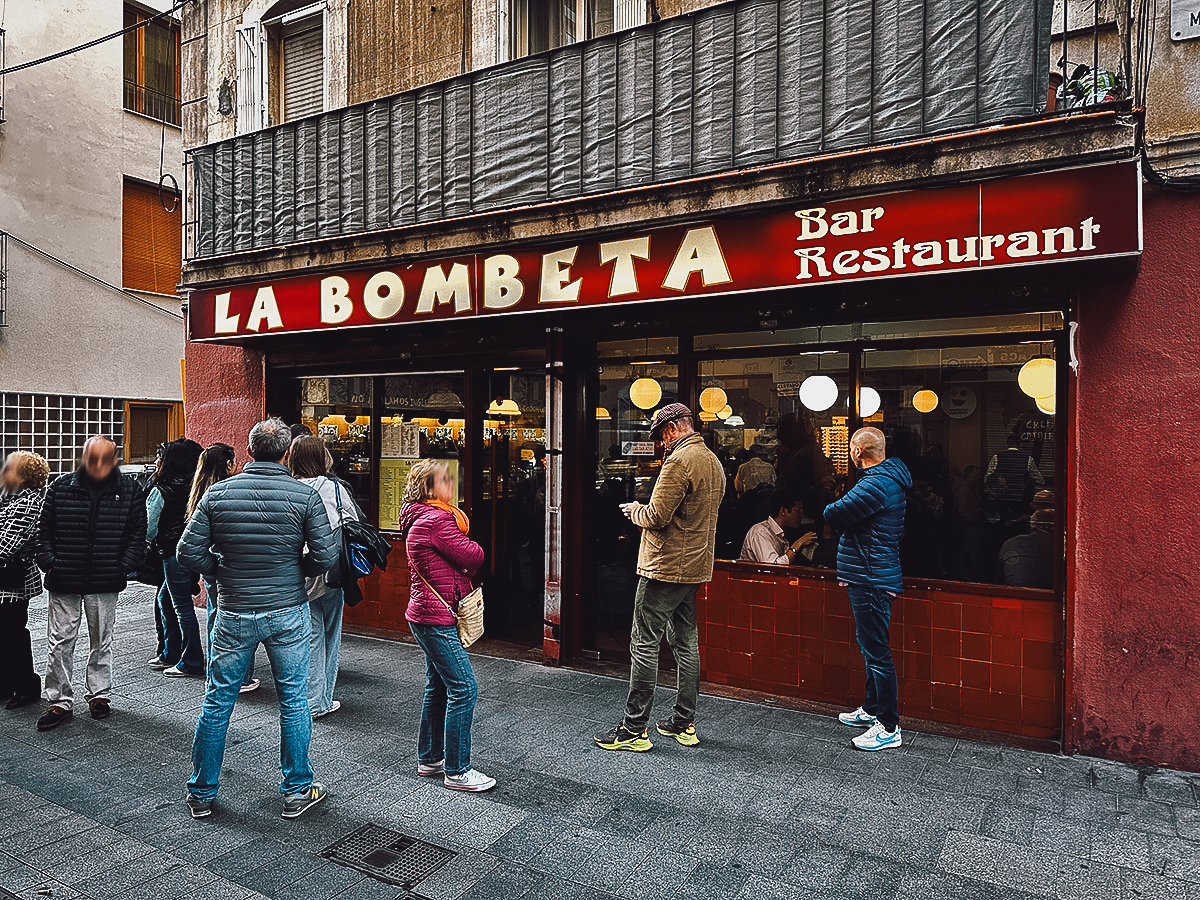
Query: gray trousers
x=663, y=608
x=62, y=631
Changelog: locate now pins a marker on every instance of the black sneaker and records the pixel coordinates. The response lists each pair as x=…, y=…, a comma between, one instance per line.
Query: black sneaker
x=296, y=805
x=621, y=738
x=685, y=734
x=200, y=809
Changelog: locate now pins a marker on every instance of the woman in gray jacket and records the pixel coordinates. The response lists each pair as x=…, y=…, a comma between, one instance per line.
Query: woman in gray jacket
x=24, y=480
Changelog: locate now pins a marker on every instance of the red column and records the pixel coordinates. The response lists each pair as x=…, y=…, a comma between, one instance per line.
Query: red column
x=224, y=394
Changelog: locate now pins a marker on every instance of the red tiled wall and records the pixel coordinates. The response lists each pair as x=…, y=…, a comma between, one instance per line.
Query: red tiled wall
x=965, y=654
x=385, y=595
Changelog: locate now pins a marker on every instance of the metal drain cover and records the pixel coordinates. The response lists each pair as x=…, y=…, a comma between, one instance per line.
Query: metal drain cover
x=388, y=855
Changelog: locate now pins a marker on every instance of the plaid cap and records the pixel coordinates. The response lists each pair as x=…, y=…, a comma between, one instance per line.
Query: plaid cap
x=665, y=416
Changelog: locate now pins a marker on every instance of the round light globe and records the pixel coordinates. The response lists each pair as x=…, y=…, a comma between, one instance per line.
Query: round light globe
x=1038, y=378
x=1048, y=405
x=645, y=393
x=925, y=401
x=712, y=399
x=868, y=402
x=818, y=392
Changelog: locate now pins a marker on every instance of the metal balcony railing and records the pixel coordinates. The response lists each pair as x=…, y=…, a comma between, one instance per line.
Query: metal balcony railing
x=739, y=84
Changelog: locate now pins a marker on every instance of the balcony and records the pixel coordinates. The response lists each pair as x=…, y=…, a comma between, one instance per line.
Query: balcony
x=741, y=84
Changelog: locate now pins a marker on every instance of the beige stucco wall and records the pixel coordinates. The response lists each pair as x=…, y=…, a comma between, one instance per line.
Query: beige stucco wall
x=65, y=149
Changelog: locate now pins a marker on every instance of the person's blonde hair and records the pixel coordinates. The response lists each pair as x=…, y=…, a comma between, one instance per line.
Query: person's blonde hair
x=421, y=479
x=32, y=468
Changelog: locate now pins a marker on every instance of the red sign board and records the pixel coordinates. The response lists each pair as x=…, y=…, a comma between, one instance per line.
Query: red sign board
x=1084, y=213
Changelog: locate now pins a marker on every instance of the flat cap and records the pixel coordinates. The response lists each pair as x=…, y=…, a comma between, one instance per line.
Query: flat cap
x=665, y=416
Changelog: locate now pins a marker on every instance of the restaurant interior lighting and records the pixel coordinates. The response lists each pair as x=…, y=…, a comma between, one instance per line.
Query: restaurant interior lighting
x=818, y=392
x=503, y=407
x=725, y=412
x=868, y=402
x=645, y=393
x=735, y=421
x=1038, y=378
x=706, y=416
x=712, y=399
x=1048, y=405
x=602, y=413
x=925, y=401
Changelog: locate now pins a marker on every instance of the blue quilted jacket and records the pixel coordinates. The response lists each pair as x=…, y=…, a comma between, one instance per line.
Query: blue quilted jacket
x=871, y=519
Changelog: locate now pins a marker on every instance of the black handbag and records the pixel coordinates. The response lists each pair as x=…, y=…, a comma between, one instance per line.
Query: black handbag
x=363, y=550
x=150, y=569
x=12, y=576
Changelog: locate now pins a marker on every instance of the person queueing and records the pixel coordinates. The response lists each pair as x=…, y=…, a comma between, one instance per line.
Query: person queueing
x=91, y=532
x=166, y=514
x=442, y=559
x=870, y=517
x=24, y=481
x=311, y=463
x=217, y=462
x=679, y=531
x=259, y=533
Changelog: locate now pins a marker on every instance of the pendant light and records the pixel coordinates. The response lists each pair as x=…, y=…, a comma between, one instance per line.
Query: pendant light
x=645, y=393
x=925, y=401
x=1048, y=405
x=869, y=402
x=724, y=412
x=602, y=413
x=1038, y=377
x=713, y=399
x=818, y=392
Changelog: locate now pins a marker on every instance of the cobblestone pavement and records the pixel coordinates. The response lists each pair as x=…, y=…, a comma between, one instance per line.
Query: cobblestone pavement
x=773, y=804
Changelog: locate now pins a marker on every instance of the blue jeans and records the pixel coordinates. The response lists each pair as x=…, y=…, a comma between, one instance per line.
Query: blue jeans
x=284, y=633
x=181, y=629
x=210, y=589
x=872, y=608
x=450, y=693
x=325, y=649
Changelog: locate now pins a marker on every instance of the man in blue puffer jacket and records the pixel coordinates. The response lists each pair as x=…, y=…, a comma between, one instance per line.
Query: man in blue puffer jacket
x=871, y=519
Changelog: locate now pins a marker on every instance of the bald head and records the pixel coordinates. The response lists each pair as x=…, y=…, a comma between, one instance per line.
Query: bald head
x=868, y=447
x=99, y=457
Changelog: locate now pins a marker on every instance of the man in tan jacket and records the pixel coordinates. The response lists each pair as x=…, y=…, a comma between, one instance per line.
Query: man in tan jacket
x=679, y=528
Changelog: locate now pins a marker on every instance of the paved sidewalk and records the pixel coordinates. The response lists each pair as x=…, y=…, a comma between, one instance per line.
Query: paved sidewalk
x=773, y=804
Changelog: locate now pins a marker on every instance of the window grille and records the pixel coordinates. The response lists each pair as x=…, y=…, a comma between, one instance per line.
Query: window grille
x=56, y=427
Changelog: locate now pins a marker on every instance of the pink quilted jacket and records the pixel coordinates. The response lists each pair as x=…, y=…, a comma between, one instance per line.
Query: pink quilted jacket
x=446, y=557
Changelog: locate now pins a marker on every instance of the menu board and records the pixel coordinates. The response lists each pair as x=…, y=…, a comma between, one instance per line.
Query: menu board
x=393, y=475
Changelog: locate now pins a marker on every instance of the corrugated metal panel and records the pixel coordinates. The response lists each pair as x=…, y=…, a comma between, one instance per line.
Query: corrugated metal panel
x=303, y=74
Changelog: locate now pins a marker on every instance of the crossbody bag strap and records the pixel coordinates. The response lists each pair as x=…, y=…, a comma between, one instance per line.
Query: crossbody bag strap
x=436, y=594
x=337, y=492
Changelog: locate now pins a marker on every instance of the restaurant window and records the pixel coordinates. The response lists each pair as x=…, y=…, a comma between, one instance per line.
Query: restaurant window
x=151, y=238
x=338, y=410
x=152, y=67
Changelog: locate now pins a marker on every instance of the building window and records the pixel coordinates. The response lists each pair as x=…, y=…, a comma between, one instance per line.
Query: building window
x=151, y=238
x=538, y=25
x=148, y=425
x=302, y=66
x=152, y=67
x=56, y=427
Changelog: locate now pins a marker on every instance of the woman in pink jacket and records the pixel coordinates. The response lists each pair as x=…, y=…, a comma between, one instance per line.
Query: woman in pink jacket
x=441, y=562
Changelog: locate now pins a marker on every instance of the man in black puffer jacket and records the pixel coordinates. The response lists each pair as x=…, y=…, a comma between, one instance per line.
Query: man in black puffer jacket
x=91, y=533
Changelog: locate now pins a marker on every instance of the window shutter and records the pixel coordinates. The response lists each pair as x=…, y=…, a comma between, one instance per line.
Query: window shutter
x=249, y=60
x=303, y=73
x=629, y=14
x=151, y=239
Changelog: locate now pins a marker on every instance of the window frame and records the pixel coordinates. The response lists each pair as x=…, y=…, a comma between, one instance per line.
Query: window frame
x=126, y=184
x=138, y=82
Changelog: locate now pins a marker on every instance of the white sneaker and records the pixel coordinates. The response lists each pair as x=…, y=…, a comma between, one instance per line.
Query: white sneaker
x=877, y=738
x=252, y=685
x=431, y=770
x=860, y=718
x=334, y=707
x=470, y=780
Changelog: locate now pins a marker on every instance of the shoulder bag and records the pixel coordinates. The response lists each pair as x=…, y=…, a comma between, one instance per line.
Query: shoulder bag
x=469, y=616
x=363, y=549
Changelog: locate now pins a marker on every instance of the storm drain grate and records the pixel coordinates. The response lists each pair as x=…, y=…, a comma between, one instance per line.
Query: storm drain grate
x=388, y=855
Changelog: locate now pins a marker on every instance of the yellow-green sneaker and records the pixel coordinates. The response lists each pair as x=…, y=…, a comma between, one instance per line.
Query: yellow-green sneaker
x=685, y=734
x=621, y=738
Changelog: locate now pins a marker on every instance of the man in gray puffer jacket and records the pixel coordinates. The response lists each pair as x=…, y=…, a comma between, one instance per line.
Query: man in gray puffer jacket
x=259, y=534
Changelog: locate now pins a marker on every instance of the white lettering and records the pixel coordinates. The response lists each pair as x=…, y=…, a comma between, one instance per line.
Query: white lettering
x=844, y=223
x=557, y=286
x=879, y=261
x=700, y=252
x=1052, y=235
x=383, y=295
x=439, y=288
x=899, y=248
x=1087, y=228
x=265, y=309
x=223, y=322
x=815, y=255
x=927, y=253
x=1023, y=243
x=869, y=215
x=813, y=226
x=991, y=241
x=336, y=305
x=622, y=254
x=501, y=286
x=969, y=256
x=842, y=262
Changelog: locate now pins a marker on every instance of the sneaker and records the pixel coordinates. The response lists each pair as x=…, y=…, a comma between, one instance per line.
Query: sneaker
x=176, y=672
x=52, y=718
x=470, y=780
x=877, y=738
x=158, y=663
x=252, y=685
x=100, y=708
x=685, y=734
x=200, y=809
x=296, y=805
x=334, y=707
x=860, y=718
x=431, y=770
x=621, y=738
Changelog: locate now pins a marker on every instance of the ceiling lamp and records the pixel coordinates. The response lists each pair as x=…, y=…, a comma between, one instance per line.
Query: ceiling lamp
x=1048, y=405
x=602, y=413
x=735, y=422
x=506, y=407
x=925, y=401
x=818, y=392
x=712, y=399
x=725, y=412
x=645, y=393
x=868, y=402
x=1038, y=378
x=706, y=416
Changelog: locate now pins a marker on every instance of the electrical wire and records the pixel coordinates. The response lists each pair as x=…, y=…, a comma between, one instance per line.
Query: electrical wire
x=92, y=43
x=88, y=275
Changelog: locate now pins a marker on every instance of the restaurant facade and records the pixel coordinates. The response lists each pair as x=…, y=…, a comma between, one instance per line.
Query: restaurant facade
x=1004, y=303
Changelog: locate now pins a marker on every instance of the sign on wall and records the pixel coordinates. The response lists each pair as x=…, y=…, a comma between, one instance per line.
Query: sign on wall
x=1073, y=214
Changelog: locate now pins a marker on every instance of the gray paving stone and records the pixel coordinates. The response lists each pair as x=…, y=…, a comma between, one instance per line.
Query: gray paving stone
x=508, y=881
x=320, y=884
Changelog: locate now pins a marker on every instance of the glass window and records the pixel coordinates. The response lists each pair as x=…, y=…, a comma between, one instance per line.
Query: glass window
x=981, y=449
x=152, y=67
x=778, y=422
x=423, y=418
x=338, y=410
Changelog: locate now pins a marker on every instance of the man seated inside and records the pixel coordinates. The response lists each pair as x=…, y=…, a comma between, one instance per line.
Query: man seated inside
x=1027, y=560
x=767, y=542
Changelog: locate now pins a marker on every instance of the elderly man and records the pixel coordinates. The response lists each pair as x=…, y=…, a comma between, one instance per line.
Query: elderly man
x=259, y=534
x=871, y=519
x=91, y=533
x=679, y=527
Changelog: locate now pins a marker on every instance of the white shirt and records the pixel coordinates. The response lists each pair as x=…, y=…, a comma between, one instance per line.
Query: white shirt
x=765, y=543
